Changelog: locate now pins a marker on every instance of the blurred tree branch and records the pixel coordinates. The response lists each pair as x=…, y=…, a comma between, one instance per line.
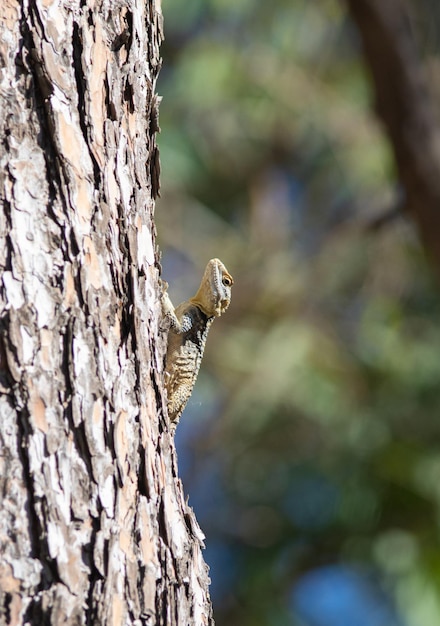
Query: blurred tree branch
x=404, y=103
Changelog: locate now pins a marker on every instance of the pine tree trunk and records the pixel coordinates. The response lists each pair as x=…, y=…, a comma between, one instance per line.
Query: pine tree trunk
x=94, y=528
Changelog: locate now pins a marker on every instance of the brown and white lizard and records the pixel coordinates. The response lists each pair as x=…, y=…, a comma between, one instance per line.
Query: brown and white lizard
x=188, y=327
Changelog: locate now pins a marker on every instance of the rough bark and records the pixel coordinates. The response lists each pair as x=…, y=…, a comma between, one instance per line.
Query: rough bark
x=94, y=528
x=404, y=104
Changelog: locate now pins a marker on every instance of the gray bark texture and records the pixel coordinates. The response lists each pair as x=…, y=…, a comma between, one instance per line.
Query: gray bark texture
x=94, y=528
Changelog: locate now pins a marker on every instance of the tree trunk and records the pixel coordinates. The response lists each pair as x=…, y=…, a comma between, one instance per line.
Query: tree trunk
x=404, y=103
x=94, y=528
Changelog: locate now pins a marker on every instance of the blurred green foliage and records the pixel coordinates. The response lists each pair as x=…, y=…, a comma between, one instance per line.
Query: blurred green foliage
x=313, y=436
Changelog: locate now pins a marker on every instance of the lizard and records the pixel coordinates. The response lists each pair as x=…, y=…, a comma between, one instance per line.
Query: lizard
x=188, y=326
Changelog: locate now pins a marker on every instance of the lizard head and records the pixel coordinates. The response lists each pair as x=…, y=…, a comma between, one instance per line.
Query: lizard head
x=214, y=294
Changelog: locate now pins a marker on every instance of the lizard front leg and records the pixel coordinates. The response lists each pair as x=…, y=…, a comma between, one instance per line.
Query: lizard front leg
x=169, y=318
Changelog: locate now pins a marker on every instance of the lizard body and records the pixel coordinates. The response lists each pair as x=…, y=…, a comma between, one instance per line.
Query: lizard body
x=189, y=325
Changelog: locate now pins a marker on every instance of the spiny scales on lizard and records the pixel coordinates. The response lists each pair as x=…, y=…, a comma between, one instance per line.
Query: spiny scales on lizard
x=188, y=326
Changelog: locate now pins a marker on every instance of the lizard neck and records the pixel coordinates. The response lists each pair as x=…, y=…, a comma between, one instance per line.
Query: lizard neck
x=205, y=306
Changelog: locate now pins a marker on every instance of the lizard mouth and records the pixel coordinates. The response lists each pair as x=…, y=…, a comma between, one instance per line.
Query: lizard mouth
x=223, y=305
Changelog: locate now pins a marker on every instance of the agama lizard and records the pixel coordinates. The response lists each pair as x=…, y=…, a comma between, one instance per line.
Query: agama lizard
x=188, y=327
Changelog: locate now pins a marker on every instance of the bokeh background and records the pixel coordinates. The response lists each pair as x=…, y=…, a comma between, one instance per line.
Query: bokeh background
x=310, y=449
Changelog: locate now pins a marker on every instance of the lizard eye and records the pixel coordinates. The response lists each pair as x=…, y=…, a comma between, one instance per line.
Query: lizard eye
x=227, y=282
